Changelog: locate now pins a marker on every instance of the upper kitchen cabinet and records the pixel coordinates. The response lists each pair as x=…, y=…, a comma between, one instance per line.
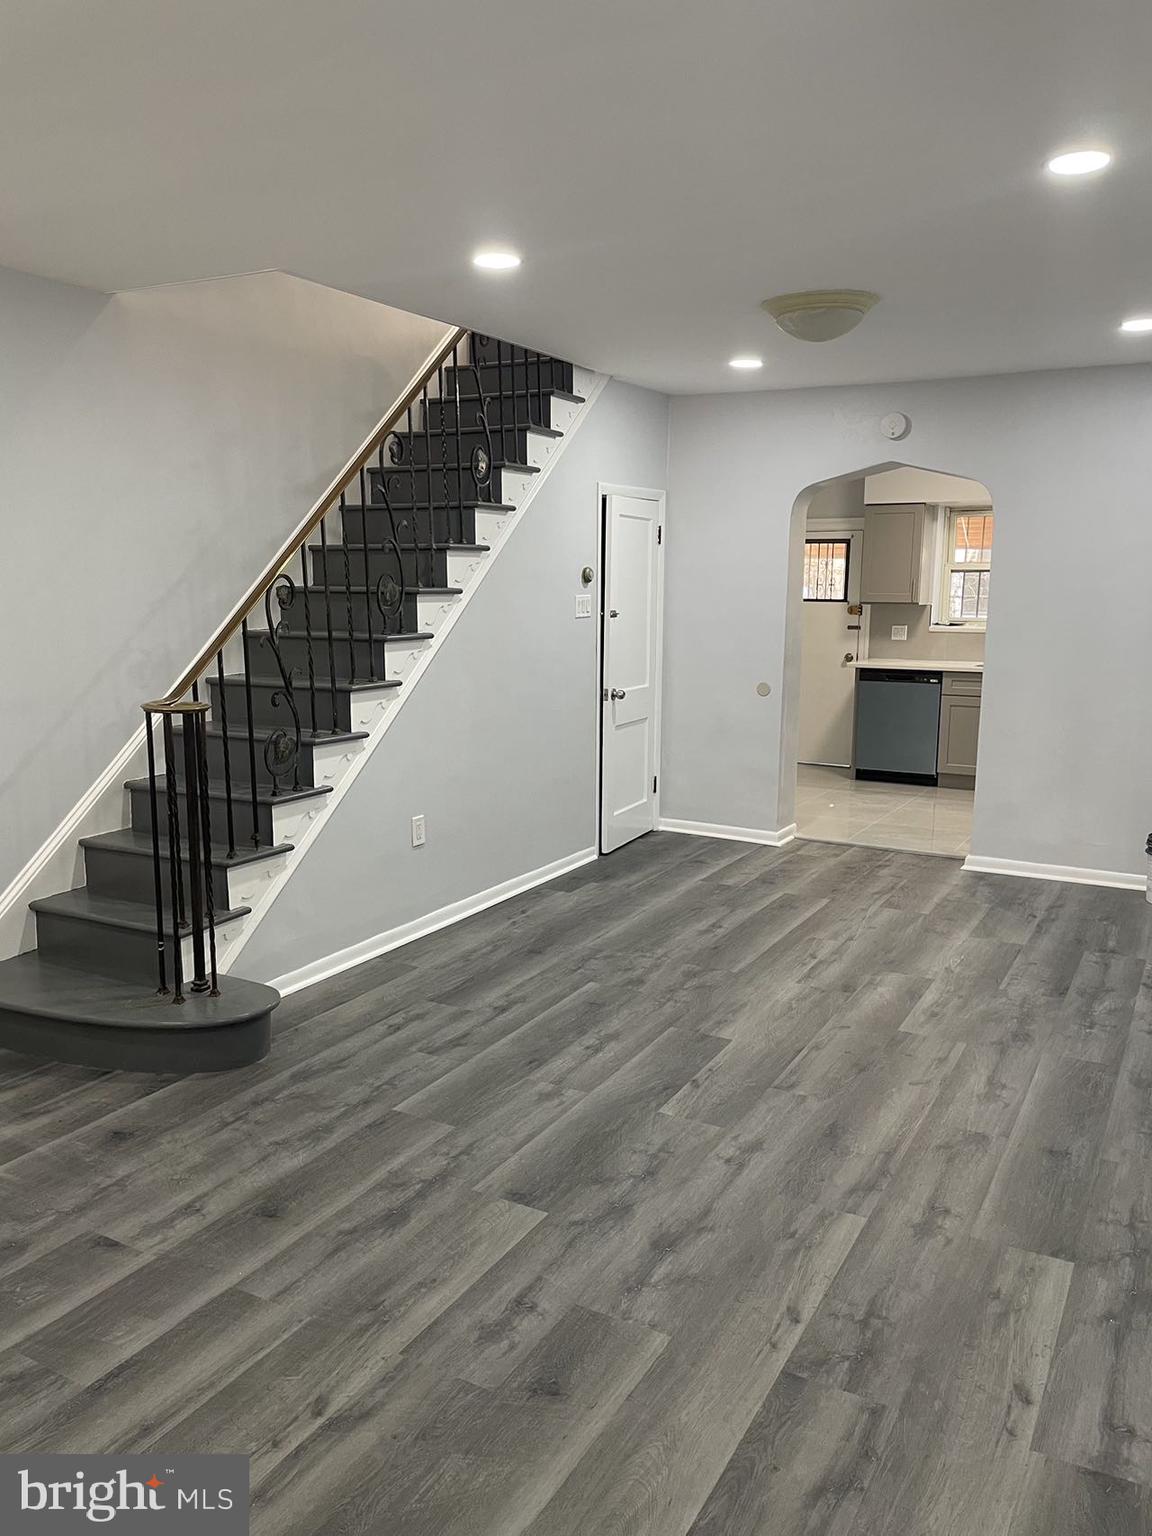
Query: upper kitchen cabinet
x=896, y=546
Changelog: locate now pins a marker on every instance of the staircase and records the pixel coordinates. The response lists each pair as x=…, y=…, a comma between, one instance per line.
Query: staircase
x=245, y=752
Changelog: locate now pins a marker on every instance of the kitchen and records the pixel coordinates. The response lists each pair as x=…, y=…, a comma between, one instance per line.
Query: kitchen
x=897, y=570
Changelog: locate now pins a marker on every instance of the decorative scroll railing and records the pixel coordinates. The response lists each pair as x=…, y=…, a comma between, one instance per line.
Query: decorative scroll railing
x=228, y=740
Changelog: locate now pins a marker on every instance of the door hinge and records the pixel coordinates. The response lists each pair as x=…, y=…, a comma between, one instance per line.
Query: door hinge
x=659, y=533
x=653, y=783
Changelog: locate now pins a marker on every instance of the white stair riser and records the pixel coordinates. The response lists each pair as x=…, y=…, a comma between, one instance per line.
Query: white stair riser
x=462, y=568
x=541, y=448
x=402, y=658
x=490, y=526
x=514, y=486
x=332, y=763
x=432, y=611
x=370, y=705
x=246, y=883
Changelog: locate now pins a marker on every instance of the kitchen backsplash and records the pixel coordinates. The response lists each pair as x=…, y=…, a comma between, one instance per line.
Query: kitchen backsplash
x=922, y=643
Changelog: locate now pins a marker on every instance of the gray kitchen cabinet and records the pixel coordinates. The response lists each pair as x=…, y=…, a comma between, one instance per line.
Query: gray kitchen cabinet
x=959, y=725
x=892, y=568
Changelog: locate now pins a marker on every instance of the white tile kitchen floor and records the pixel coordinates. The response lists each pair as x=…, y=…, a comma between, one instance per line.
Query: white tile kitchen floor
x=833, y=807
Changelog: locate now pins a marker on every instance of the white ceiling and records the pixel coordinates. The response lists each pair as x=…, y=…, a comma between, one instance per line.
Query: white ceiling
x=662, y=165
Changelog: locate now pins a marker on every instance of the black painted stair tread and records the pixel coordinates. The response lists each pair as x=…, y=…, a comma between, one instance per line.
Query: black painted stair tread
x=516, y=466
x=241, y=791
x=450, y=432
x=125, y=840
x=407, y=545
x=273, y=680
x=402, y=637
x=353, y=508
x=339, y=591
x=308, y=737
x=61, y=1014
x=84, y=905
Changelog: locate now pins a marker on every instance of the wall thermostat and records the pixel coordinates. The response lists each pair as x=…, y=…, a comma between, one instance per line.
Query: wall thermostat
x=895, y=425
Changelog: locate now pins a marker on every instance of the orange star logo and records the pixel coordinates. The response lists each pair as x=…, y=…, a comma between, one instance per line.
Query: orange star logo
x=154, y=1482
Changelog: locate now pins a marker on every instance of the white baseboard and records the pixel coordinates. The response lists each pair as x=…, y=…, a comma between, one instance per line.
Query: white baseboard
x=444, y=917
x=735, y=834
x=1072, y=874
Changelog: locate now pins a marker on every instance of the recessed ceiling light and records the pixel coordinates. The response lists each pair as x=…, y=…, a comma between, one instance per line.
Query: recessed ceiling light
x=1080, y=162
x=746, y=362
x=496, y=261
x=1137, y=325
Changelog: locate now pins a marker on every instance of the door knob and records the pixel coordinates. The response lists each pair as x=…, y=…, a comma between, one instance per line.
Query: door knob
x=617, y=693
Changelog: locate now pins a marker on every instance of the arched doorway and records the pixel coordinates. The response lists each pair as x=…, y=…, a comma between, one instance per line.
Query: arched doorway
x=888, y=613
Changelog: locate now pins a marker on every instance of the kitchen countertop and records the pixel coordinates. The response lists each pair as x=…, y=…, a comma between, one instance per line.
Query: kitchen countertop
x=898, y=664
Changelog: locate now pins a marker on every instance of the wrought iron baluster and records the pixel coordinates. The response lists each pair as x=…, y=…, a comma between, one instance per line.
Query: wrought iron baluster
x=201, y=725
x=282, y=748
x=222, y=694
x=306, y=603
x=481, y=461
x=448, y=497
x=246, y=645
x=544, y=418
x=459, y=451
x=328, y=624
x=410, y=439
x=527, y=399
x=189, y=730
x=176, y=876
x=367, y=575
x=348, y=588
x=426, y=581
x=157, y=870
x=503, y=394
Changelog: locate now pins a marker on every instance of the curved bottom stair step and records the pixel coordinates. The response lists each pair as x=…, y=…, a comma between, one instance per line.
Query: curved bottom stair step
x=61, y=1014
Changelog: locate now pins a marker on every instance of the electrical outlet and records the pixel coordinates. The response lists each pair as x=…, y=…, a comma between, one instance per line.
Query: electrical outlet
x=899, y=631
x=419, y=832
x=583, y=605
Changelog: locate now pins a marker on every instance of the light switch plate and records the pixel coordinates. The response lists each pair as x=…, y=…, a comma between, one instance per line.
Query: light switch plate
x=899, y=631
x=419, y=832
x=583, y=605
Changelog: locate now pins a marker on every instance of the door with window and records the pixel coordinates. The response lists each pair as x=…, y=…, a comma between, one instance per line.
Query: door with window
x=633, y=546
x=827, y=678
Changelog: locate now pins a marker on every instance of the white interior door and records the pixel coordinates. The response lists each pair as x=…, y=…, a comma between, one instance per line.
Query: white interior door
x=827, y=679
x=632, y=556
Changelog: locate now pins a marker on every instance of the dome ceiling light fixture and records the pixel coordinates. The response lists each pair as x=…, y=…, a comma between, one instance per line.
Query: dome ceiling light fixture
x=821, y=314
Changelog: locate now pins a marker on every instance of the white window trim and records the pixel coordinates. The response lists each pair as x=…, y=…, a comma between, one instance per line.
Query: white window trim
x=938, y=623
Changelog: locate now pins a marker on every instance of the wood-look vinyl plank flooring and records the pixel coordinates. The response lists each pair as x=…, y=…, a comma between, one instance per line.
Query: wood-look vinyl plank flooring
x=710, y=1190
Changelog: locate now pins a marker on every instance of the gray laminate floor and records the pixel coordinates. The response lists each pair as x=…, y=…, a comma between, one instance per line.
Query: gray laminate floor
x=711, y=1189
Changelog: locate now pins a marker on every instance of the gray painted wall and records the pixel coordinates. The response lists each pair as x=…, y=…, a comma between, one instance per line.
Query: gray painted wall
x=155, y=448
x=1066, y=729
x=497, y=746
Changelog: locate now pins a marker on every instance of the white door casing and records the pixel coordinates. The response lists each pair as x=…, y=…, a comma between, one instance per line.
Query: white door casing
x=633, y=569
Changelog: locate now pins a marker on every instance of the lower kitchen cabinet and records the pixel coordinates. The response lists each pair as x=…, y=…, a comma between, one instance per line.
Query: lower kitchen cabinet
x=959, y=729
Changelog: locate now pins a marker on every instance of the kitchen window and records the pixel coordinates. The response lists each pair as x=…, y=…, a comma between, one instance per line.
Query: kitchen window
x=966, y=568
x=826, y=570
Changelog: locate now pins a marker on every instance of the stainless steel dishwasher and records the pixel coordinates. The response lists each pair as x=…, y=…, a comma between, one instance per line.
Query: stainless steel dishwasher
x=897, y=725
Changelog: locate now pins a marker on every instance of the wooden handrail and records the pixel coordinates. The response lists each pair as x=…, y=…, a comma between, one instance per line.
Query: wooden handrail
x=320, y=510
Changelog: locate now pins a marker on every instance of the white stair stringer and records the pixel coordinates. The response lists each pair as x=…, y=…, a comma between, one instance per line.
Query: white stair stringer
x=375, y=709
